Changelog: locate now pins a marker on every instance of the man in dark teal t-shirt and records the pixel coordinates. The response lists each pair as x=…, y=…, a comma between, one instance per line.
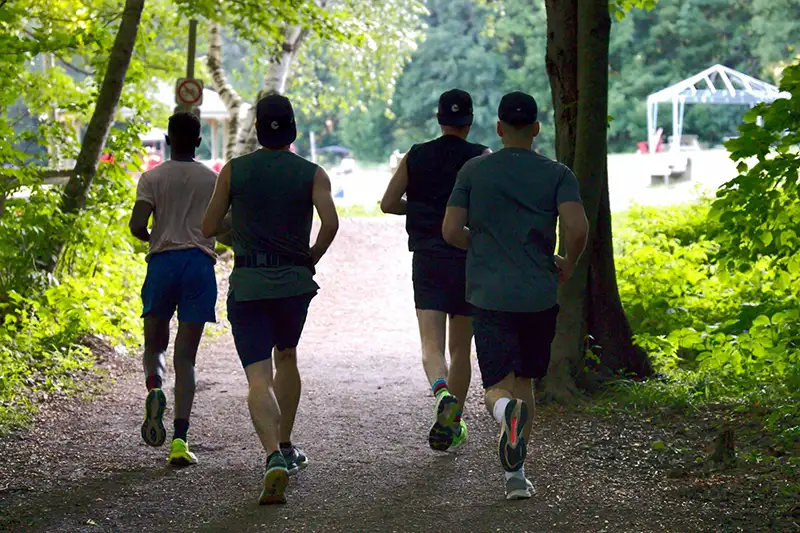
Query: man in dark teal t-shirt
x=504, y=210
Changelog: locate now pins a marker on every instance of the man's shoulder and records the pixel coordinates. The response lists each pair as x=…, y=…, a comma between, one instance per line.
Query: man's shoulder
x=477, y=162
x=547, y=163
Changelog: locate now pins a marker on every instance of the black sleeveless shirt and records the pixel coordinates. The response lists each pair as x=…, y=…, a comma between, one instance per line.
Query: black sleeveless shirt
x=432, y=170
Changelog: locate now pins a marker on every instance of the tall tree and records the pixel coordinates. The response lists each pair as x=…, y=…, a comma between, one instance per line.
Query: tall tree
x=577, y=62
x=105, y=109
x=331, y=56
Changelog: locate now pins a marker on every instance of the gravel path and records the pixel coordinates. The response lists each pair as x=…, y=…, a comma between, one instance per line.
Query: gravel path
x=363, y=422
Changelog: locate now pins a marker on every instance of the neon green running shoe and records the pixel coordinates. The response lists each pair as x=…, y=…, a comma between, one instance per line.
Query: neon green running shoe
x=440, y=437
x=179, y=454
x=459, y=439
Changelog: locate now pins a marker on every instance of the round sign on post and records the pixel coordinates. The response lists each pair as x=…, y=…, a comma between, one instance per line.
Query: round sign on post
x=189, y=92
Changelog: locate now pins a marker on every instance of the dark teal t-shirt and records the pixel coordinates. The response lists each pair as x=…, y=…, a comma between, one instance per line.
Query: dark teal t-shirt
x=512, y=197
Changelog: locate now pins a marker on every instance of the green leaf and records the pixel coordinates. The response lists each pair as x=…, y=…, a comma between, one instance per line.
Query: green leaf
x=659, y=445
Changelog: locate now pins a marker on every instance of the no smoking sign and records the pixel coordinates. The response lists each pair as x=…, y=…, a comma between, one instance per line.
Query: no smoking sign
x=189, y=92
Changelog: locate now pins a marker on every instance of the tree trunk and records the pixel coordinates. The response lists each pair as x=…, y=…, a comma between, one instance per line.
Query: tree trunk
x=77, y=188
x=590, y=302
x=274, y=83
x=562, y=68
x=219, y=81
x=561, y=62
x=606, y=320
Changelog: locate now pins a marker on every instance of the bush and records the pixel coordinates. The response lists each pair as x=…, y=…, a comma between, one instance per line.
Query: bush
x=715, y=335
x=45, y=316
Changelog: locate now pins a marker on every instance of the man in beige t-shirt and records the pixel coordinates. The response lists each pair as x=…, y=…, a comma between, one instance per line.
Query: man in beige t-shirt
x=180, y=274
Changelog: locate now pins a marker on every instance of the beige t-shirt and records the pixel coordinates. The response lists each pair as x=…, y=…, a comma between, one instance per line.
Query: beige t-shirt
x=179, y=192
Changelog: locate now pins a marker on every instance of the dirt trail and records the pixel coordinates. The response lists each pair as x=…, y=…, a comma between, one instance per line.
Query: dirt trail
x=363, y=422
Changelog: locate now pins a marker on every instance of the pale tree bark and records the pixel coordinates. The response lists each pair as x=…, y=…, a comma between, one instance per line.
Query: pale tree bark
x=590, y=302
x=77, y=188
x=219, y=81
x=274, y=83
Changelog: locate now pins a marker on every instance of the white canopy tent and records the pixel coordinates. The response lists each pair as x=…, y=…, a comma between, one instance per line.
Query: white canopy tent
x=716, y=85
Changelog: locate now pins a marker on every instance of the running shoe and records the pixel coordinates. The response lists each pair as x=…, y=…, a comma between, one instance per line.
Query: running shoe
x=511, y=444
x=179, y=454
x=444, y=429
x=518, y=488
x=296, y=459
x=460, y=439
x=153, y=431
x=276, y=479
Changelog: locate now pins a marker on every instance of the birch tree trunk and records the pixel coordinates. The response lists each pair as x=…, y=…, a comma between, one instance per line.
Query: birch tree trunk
x=274, y=83
x=219, y=81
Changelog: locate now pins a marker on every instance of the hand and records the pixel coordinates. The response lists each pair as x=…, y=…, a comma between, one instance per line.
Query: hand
x=565, y=269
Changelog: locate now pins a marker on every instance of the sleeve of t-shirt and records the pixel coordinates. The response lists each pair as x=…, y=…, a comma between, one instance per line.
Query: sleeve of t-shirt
x=144, y=190
x=568, y=188
x=460, y=195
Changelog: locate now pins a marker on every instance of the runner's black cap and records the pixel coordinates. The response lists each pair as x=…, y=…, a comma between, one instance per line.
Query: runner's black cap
x=455, y=108
x=518, y=109
x=275, y=125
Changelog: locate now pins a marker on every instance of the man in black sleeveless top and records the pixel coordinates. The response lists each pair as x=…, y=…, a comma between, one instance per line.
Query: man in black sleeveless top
x=426, y=176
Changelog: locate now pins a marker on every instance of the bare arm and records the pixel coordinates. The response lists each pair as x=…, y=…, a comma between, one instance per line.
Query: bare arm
x=219, y=204
x=393, y=202
x=326, y=209
x=572, y=218
x=140, y=216
x=226, y=233
x=454, y=228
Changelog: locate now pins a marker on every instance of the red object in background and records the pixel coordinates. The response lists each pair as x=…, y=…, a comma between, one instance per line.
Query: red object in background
x=152, y=161
x=292, y=148
x=643, y=148
x=107, y=158
x=217, y=166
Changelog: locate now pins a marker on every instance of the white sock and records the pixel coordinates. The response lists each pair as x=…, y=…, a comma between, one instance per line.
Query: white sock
x=500, y=408
x=520, y=474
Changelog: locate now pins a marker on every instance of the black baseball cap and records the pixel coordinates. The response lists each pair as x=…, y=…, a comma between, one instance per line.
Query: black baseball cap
x=518, y=109
x=455, y=108
x=275, y=125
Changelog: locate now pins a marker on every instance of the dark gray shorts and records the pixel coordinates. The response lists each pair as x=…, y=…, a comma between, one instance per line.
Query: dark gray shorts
x=513, y=342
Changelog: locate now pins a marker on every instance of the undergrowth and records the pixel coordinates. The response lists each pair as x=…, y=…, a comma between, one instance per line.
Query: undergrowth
x=44, y=317
x=714, y=336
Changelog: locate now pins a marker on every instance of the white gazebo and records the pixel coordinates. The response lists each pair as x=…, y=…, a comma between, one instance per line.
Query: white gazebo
x=716, y=85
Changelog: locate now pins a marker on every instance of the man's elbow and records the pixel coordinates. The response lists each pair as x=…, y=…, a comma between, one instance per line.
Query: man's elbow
x=387, y=207
x=332, y=224
x=207, y=229
x=449, y=234
x=137, y=230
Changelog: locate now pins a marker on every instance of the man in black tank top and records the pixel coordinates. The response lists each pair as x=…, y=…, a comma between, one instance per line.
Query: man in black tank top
x=426, y=176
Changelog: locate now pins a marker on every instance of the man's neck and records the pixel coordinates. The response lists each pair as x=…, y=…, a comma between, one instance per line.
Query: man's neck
x=522, y=145
x=461, y=134
x=186, y=158
x=281, y=149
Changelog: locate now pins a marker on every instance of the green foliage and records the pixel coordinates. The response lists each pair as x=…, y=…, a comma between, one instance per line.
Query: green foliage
x=43, y=323
x=715, y=335
x=768, y=158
